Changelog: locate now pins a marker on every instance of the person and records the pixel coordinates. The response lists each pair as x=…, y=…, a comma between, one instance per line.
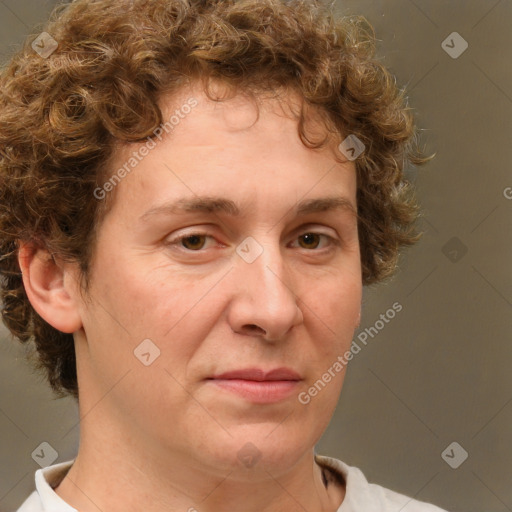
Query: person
x=193, y=195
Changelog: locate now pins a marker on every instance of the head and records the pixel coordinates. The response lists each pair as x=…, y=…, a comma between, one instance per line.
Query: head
x=242, y=100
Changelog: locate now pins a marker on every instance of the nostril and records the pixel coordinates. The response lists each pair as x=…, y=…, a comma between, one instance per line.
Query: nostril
x=252, y=327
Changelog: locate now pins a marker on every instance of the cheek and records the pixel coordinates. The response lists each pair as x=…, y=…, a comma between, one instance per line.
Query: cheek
x=338, y=307
x=176, y=312
x=332, y=320
x=336, y=320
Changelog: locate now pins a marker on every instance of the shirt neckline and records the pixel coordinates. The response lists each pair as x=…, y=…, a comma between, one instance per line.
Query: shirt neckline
x=47, y=479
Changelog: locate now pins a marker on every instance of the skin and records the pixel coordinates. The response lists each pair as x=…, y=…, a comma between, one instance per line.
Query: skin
x=170, y=437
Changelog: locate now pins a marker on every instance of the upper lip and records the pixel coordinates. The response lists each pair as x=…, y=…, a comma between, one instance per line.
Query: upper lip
x=257, y=374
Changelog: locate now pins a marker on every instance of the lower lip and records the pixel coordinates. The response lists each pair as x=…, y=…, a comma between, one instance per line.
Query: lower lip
x=263, y=392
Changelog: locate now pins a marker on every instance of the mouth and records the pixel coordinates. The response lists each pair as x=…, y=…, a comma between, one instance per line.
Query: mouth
x=257, y=386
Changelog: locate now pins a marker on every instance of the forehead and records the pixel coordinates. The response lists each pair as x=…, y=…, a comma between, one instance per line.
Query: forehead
x=238, y=114
x=212, y=147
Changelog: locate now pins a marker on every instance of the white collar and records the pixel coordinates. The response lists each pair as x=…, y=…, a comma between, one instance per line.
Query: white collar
x=359, y=494
x=48, y=478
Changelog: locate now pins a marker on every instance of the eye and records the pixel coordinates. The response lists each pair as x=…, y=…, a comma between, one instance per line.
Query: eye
x=311, y=240
x=195, y=242
x=192, y=242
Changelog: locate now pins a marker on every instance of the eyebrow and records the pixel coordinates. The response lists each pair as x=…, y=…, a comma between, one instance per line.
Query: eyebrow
x=208, y=204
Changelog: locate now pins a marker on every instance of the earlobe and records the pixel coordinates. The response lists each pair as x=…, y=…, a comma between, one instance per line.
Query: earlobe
x=47, y=285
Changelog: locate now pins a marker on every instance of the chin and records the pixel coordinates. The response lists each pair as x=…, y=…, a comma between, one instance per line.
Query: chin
x=261, y=448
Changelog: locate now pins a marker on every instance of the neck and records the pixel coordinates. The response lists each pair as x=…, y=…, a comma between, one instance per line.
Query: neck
x=116, y=477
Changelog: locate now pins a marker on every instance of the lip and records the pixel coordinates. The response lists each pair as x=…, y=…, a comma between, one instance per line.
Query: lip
x=257, y=386
x=256, y=374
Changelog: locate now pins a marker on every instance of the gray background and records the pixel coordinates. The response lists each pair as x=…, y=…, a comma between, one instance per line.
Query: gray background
x=438, y=372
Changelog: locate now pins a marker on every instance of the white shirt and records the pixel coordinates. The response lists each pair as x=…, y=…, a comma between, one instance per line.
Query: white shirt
x=360, y=496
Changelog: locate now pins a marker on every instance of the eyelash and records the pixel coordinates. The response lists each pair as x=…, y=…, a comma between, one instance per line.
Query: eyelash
x=175, y=242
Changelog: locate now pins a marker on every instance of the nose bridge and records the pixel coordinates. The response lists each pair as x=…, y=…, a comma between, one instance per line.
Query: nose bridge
x=272, y=274
x=269, y=299
x=266, y=264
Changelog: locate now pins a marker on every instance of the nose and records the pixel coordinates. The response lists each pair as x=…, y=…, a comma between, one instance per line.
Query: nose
x=263, y=302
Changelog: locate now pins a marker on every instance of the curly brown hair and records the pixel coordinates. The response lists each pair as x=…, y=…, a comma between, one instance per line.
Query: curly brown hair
x=62, y=116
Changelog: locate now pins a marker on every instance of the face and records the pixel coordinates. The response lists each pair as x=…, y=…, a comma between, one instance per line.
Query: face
x=246, y=287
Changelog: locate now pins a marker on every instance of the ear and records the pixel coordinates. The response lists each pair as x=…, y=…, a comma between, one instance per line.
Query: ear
x=49, y=287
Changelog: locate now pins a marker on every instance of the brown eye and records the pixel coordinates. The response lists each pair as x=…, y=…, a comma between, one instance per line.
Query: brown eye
x=193, y=242
x=311, y=240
